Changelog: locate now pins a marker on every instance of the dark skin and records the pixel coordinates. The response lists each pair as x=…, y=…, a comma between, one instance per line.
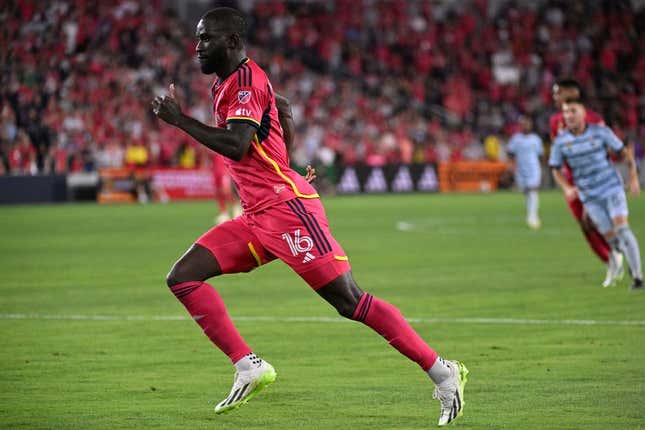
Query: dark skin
x=220, y=50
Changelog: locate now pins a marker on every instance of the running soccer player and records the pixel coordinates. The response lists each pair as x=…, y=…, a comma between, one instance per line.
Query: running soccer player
x=599, y=186
x=526, y=150
x=570, y=88
x=283, y=219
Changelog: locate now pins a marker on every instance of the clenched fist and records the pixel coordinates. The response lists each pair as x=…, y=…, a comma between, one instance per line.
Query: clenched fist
x=167, y=108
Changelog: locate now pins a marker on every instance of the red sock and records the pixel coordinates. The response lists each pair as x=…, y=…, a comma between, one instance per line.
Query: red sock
x=387, y=321
x=598, y=244
x=206, y=307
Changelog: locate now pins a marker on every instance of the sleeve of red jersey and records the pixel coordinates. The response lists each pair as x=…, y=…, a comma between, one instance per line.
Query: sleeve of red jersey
x=594, y=118
x=553, y=126
x=247, y=102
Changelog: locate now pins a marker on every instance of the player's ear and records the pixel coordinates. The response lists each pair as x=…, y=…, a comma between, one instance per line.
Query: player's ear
x=234, y=41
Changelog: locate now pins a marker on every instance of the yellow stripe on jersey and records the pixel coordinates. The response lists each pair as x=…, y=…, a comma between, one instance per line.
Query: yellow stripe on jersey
x=258, y=147
x=246, y=118
x=255, y=254
x=341, y=257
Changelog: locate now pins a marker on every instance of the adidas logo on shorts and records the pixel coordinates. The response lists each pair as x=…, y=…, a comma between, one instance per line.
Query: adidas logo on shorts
x=308, y=257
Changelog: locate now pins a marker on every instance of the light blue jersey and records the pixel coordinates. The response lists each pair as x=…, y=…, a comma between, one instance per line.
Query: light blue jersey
x=527, y=149
x=587, y=157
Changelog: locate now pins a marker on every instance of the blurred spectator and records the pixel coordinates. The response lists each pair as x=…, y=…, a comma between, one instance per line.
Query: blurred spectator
x=370, y=81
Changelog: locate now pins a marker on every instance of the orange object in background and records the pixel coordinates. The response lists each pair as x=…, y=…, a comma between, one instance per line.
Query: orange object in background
x=117, y=186
x=471, y=176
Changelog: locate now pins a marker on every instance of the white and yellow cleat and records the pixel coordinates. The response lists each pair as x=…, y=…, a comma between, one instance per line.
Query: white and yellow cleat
x=246, y=385
x=451, y=393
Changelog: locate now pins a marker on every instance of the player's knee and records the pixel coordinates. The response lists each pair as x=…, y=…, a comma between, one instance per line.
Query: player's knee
x=179, y=273
x=346, y=308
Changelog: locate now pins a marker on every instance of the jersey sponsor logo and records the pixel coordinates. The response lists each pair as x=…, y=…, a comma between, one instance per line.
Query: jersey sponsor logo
x=243, y=112
x=299, y=244
x=278, y=188
x=244, y=96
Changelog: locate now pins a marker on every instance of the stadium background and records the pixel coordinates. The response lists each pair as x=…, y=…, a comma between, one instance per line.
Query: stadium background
x=372, y=83
x=91, y=338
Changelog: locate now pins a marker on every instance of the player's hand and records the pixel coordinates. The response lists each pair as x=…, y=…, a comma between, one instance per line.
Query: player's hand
x=634, y=187
x=167, y=107
x=311, y=174
x=570, y=193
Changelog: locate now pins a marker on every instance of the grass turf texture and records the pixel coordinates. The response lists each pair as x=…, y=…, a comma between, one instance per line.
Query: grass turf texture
x=459, y=256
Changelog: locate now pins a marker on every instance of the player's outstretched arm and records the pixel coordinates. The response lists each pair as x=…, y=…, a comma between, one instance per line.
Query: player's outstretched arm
x=570, y=192
x=286, y=120
x=232, y=142
x=634, y=185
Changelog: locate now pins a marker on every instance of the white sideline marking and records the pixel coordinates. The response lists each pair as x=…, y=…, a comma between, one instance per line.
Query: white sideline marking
x=512, y=321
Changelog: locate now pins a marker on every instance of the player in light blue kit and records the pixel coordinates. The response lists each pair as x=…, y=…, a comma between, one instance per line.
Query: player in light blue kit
x=584, y=147
x=526, y=150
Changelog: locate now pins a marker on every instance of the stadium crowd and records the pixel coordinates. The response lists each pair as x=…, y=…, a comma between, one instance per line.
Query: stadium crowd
x=369, y=81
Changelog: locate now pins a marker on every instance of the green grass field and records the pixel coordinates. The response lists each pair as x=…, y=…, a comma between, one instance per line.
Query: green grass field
x=461, y=265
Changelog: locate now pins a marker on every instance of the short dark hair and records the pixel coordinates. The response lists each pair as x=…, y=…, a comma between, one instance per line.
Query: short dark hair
x=578, y=100
x=234, y=19
x=569, y=83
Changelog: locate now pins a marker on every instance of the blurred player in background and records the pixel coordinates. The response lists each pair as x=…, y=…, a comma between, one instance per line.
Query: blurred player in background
x=227, y=202
x=570, y=88
x=598, y=184
x=526, y=150
x=283, y=218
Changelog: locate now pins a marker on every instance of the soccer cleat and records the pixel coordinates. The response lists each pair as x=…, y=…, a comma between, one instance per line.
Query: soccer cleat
x=615, y=270
x=637, y=285
x=246, y=385
x=451, y=393
x=534, y=223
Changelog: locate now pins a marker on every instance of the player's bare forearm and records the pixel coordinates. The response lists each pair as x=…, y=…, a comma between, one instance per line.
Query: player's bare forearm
x=634, y=184
x=569, y=192
x=227, y=142
x=558, y=177
x=232, y=142
x=286, y=120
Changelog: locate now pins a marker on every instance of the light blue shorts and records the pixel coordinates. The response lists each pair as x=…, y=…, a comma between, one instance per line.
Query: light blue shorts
x=526, y=182
x=603, y=211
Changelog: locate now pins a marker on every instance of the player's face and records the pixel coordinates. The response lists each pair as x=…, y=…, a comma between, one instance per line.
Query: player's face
x=211, y=46
x=574, y=116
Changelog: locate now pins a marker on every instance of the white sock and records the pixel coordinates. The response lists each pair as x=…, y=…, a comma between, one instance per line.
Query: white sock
x=248, y=362
x=532, y=204
x=439, y=371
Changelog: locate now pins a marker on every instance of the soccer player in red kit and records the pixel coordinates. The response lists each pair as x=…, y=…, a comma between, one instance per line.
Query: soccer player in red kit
x=564, y=89
x=282, y=219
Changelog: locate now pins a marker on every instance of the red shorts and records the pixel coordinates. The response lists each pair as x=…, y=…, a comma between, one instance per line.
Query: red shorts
x=295, y=231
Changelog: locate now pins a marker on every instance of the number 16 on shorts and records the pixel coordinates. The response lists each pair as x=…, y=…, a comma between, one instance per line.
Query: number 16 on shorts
x=300, y=244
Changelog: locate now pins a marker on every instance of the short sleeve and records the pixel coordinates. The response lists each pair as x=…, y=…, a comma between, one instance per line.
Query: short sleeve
x=539, y=145
x=555, y=158
x=246, y=102
x=611, y=140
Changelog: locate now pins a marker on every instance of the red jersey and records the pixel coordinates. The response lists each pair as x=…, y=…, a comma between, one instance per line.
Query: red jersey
x=263, y=177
